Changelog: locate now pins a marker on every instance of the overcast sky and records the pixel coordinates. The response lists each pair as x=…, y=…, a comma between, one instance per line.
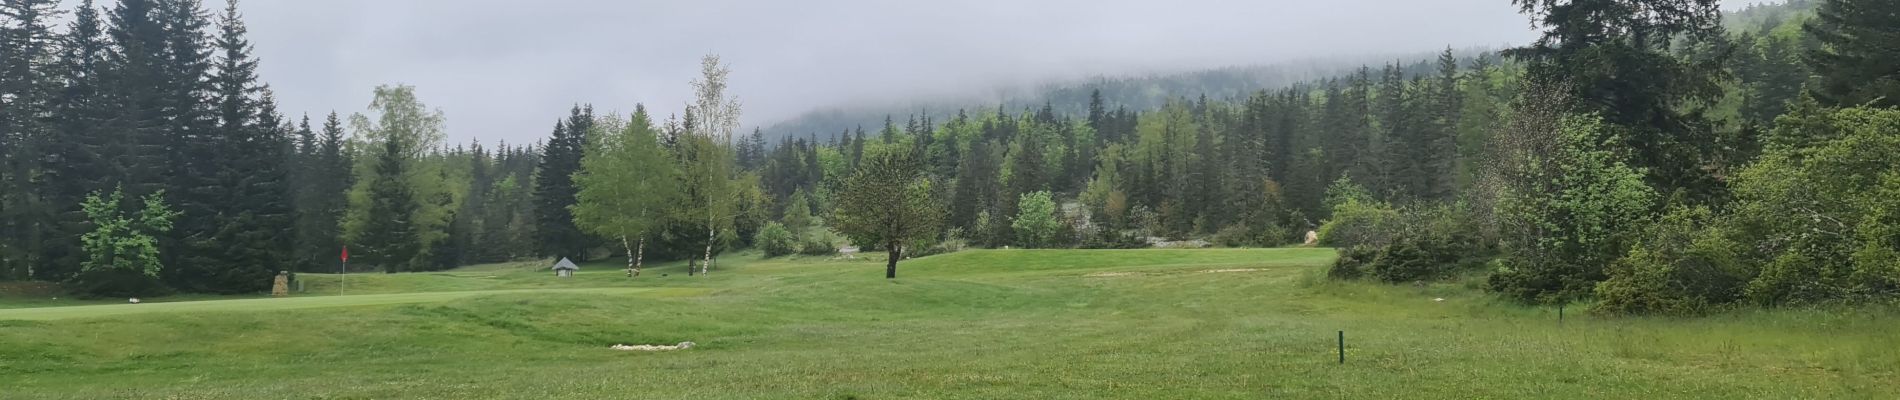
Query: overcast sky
x=506, y=70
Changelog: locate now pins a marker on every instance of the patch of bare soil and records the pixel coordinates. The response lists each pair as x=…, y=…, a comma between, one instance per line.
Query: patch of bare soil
x=1113, y=274
x=652, y=347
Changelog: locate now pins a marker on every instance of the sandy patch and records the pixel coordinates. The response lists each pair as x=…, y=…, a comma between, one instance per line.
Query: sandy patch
x=652, y=347
x=1112, y=274
x=1223, y=271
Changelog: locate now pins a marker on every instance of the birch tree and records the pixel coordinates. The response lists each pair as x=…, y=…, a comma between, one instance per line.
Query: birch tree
x=626, y=182
x=708, y=163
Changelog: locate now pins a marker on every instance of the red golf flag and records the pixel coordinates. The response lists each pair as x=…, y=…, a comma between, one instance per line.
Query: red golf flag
x=346, y=253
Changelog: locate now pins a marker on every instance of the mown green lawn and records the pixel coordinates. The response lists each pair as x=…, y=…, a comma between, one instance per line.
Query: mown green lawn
x=1140, y=324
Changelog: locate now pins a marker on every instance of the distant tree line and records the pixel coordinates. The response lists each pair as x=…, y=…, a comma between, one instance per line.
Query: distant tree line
x=154, y=107
x=1646, y=155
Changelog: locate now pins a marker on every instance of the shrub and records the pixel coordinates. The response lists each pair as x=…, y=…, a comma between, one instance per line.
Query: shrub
x=1396, y=245
x=1105, y=238
x=1415, y=260
x=116, y=283
x=1352, y=262
x=1235, y=236
x=1036, y=224
x=122, y=250
x=926, y=248
x=1360, y=223
x=819, y=242
x=1274, y=235
x=1680, y=266
x=1565, y=205
x=1821, y=206
x=775, y=240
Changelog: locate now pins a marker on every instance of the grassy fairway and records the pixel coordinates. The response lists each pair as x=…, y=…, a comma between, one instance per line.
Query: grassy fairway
x=980, y=325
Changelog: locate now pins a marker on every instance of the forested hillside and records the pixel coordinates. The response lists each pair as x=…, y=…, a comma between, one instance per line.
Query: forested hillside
x=1071, y=97
x=1646, y=155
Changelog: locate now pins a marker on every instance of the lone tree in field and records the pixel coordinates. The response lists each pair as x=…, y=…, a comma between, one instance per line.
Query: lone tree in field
x=888, y=202
x=626, y=182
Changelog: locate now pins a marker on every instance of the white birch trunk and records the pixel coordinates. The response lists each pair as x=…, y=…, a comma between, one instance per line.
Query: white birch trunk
x=711, y=234
x=632, y=270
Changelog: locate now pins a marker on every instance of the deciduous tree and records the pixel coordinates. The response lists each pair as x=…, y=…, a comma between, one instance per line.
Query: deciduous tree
x=888, y=203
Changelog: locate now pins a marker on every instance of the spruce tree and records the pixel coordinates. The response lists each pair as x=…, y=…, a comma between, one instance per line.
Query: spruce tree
x=554, y=191
x=26, y=89
x=890, y=131
x=1355, y=127
x=1614, y=56
x=1394, y=173
x=1856, y=59
x=134, y=82
x=389, y=240
x=845, y=143
x=237, y=223
x=976, y=177
x=1438, y=147
x=309, y=250
x=857, y=148
x=184, y=136
x=80, y=155
x=1098, y=115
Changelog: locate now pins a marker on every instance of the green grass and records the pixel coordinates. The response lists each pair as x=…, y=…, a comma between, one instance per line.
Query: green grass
x=296, y=303
x=981, y=324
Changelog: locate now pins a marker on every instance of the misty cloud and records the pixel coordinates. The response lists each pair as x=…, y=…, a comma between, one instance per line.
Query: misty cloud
x=506, y=70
